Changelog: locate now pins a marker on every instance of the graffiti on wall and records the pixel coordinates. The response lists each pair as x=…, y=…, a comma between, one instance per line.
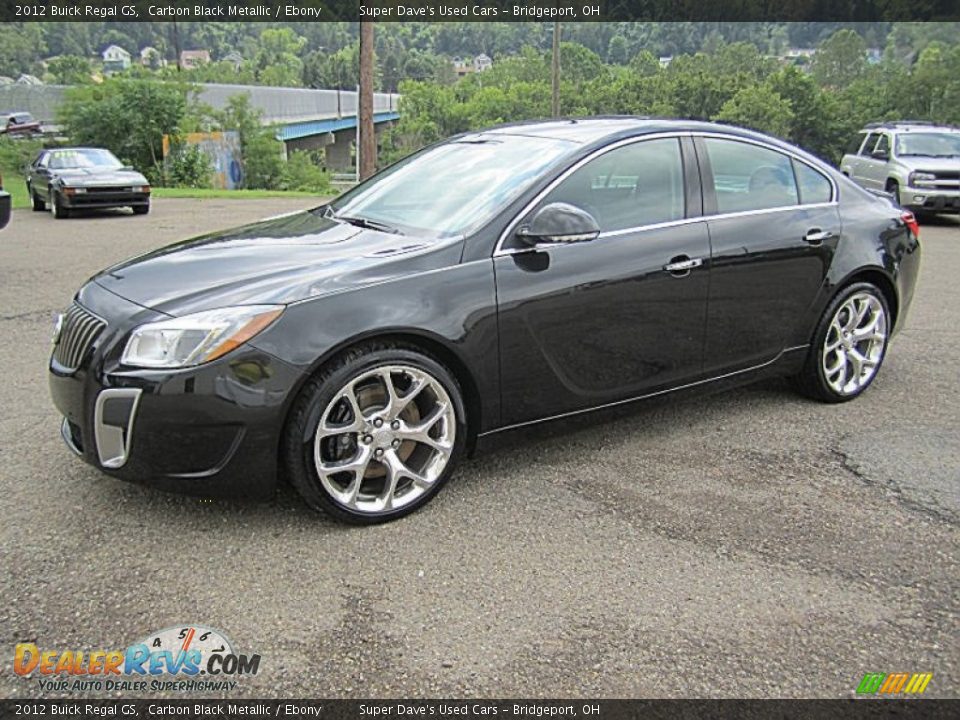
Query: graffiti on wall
x=223, y=149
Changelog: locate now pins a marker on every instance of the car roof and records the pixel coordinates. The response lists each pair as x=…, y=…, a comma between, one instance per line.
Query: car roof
x=595, y=129
x=75, y=148
x=909, y=126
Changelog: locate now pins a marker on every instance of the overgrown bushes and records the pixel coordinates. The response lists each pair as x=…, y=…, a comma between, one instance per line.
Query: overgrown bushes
x=130, y=116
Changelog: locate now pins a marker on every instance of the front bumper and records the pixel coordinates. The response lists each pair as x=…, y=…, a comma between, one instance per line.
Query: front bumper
x=212, y=430
x=930, y=199
x=104, y=200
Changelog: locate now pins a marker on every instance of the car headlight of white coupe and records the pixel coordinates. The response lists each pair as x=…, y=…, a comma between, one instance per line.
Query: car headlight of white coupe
x=198, y=338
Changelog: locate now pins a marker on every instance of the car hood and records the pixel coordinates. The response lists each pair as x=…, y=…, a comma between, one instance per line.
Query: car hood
x=85, y=176
x=930, y=164
x=278, y=260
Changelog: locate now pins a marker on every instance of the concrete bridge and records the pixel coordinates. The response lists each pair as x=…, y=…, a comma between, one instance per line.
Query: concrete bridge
x=310, y=119
x=304, y=118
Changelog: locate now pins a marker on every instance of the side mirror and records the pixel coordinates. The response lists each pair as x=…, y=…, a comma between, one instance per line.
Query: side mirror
x=559, y=223
x=128, y=168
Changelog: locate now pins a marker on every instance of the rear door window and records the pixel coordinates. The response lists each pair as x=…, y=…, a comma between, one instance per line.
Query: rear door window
x=813, y=185
x=749, y=177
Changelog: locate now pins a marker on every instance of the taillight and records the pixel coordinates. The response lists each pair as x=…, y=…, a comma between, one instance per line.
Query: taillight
x=911, y=221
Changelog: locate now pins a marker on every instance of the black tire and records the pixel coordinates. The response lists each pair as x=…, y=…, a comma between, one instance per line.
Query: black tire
x=141, y=209
x=56, y=204
x=812, y=381
x=298, y=436
x=39, y=204
x=893, y=187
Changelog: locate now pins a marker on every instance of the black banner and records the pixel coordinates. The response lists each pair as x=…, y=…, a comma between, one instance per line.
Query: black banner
x=479, y=709
x=478, y=10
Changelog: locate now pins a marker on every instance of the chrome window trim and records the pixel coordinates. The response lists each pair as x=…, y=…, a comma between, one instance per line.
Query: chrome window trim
x=113, y=448
x=499, y=250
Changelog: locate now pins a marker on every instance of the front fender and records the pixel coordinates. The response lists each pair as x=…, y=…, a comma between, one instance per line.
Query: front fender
x=452, y=307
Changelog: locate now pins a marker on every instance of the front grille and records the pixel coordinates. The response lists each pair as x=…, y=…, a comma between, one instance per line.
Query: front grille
x=947, y=174
x=80, y=328
x=109, y=189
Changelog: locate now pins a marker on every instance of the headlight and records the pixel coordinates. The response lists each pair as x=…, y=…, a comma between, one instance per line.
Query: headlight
x=74, y=190
x=922, y=177
x=198, y=338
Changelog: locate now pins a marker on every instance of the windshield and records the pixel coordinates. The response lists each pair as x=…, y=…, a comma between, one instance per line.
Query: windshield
x=453, y=188
x=931, y=144
x=87, y=158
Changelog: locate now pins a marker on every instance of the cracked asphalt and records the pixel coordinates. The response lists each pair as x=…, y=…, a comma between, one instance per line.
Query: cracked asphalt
x=746, y=544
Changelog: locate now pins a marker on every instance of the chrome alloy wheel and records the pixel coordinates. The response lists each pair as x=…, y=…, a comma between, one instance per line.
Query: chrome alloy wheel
x=855, y=343
x=385, y=438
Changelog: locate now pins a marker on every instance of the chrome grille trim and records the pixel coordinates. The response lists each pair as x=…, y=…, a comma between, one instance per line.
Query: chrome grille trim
x=80, y=328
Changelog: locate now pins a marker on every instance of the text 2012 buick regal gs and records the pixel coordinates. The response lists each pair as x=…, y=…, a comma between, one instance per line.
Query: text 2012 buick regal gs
x=488, y=282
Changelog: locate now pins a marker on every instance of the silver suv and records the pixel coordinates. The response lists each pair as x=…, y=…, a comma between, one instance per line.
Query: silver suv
x=917, y=162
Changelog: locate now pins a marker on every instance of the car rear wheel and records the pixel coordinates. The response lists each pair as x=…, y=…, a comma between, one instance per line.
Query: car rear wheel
x=849, y=345
x=56, y=206
x=376, y=434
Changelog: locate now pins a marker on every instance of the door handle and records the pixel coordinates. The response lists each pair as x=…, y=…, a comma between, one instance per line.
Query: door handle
x=682, y=265
x=817, y=236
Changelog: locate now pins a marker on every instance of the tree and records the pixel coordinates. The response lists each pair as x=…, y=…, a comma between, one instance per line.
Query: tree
x=261, y=152
x=760, y=108
x=278, y=60
x=129, y=116
x=817, y=125
x=340, y=69
x=21, y=46
x=70, y=70
x=840, y=59
x=617, y=51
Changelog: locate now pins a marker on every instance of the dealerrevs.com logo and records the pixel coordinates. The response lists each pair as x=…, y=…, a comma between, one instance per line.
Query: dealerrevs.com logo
x=894, y=683
x=182, y=658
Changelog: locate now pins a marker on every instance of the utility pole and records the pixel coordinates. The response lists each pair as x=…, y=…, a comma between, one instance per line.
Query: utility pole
x=555, y=70
x=176, y=44
x=367, y=146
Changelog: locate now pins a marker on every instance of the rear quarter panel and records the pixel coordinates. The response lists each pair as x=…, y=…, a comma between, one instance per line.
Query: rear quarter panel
x=874, y=240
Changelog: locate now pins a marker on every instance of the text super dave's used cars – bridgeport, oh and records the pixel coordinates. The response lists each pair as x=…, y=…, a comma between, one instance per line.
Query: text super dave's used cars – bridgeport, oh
x=491, y=281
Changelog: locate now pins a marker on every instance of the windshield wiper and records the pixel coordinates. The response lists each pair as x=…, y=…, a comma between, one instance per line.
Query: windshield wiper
x=366, y=223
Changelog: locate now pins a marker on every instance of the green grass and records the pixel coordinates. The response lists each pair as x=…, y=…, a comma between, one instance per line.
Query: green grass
x=14, y=184
x=205, y=194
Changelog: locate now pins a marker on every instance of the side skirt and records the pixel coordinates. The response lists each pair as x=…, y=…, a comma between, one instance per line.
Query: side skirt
x=788, y=362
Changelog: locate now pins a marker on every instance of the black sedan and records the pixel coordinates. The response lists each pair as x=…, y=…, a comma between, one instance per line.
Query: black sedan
x=78, y=178
x=496, y=280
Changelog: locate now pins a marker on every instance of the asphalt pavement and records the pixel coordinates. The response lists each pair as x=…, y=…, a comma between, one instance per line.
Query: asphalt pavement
x=747, y=544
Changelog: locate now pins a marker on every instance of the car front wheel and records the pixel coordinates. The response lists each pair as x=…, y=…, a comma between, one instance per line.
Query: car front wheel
x=141, y=209
x=56, y=206
x=376, y=434
x=849, y=345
